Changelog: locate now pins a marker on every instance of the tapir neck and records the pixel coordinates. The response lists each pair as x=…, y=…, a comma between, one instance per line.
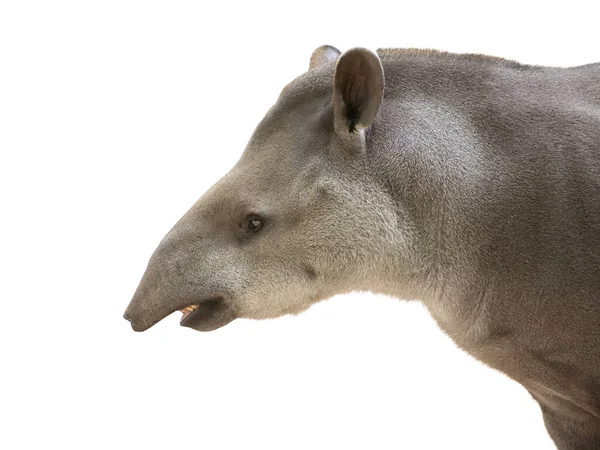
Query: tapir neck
x=426, y=173
x=474, y=155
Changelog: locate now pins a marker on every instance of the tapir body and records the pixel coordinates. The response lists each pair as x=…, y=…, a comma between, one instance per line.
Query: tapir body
x=467, y=182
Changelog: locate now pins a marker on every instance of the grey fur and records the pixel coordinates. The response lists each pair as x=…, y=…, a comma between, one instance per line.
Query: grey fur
x=475, y=189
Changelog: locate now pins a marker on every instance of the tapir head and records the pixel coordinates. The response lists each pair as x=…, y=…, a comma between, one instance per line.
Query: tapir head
x=298, y=219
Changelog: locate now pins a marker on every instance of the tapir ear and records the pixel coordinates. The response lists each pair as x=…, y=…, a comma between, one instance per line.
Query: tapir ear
x=357, y=90
x=323, y=55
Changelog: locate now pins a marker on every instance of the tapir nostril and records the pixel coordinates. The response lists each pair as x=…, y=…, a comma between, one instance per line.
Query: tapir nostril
x=126, y=317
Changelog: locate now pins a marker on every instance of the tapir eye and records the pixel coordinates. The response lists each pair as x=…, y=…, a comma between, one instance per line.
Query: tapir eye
x=254, y=223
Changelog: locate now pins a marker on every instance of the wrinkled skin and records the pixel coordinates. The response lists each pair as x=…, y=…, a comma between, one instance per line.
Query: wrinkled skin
x=473, y=186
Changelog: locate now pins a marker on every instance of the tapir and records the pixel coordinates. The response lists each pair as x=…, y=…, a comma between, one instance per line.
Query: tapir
x=470, y=183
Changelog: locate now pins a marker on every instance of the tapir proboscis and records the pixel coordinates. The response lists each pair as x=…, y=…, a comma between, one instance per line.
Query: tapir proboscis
x=467, y=182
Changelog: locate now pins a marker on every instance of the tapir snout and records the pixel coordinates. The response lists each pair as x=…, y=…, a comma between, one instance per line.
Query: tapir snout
x=200, y=312
x=171, y=284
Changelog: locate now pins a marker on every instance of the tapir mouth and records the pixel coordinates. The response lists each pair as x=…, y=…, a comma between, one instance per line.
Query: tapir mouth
x=187, y=311
x=206, y=315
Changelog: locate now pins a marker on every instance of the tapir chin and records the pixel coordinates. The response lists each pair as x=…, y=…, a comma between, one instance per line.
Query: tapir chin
x=467, y=182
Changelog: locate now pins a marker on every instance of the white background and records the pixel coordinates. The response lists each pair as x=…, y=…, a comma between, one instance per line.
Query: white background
x=115, y=116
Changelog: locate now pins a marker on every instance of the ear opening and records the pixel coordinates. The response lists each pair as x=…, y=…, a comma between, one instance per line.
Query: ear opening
x=358, y=85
